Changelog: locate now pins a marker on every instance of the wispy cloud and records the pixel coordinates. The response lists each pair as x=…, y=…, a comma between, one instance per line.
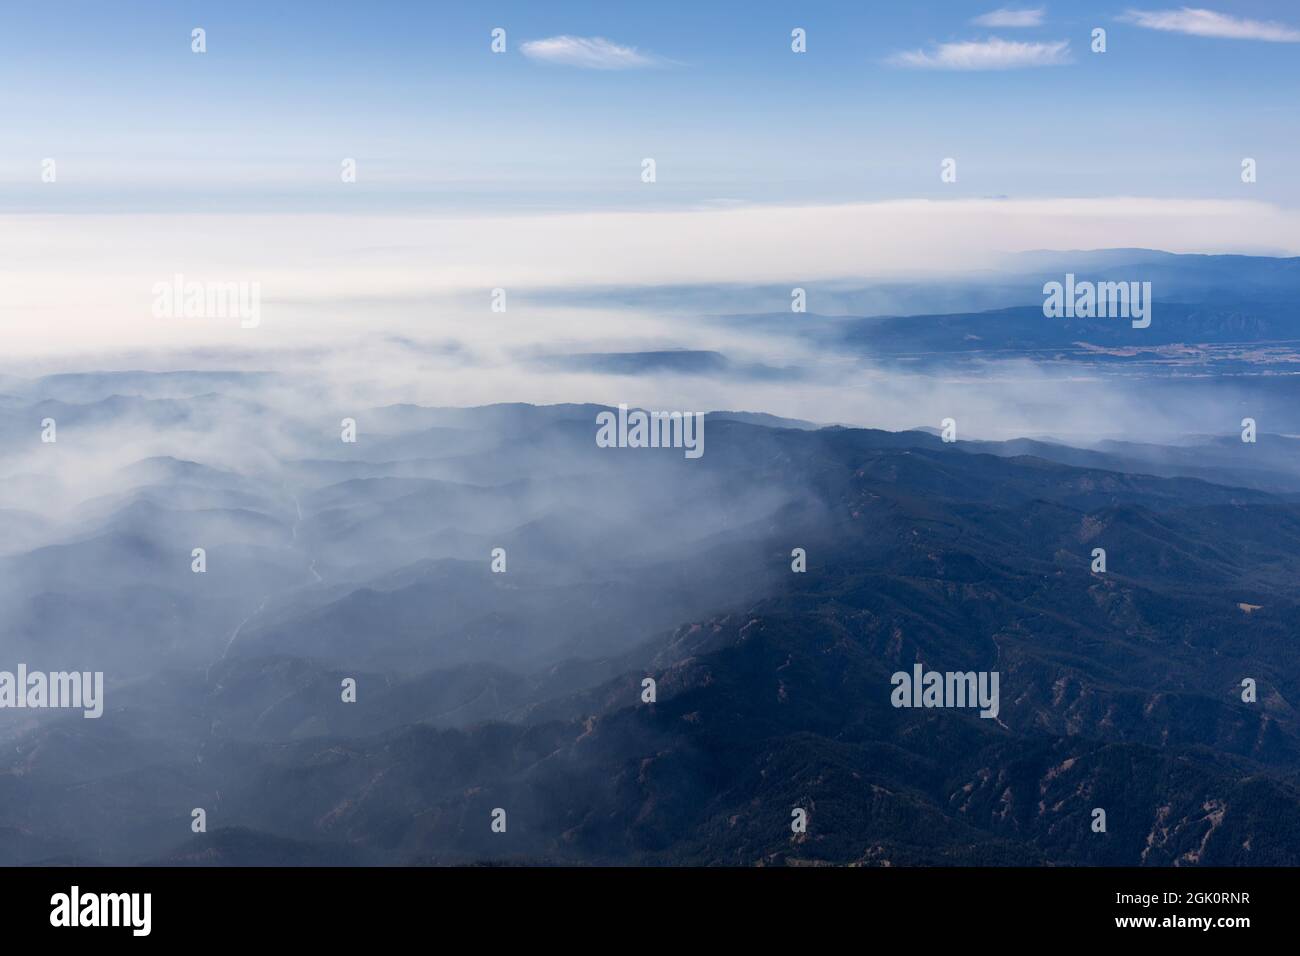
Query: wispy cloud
x=591, y=53
x=1006, y=17
x=990, y=54
x=1209, y=23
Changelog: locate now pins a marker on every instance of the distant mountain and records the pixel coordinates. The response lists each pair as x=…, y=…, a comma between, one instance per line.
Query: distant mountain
x=1207, y=313
x=675, y=361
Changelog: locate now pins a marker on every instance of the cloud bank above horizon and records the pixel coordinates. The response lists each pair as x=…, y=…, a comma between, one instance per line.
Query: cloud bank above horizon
x=85, y=282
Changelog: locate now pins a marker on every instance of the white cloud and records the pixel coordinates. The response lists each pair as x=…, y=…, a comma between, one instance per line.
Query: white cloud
x=592, y=53
x=84, y=282
x=990, y=54
x=1208, y=23
x=1006, y=17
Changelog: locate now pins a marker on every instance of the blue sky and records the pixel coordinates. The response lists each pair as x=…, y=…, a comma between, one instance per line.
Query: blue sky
x=262, y=121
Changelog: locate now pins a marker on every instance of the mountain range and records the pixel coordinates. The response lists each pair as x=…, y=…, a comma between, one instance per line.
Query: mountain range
x=523, y=690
